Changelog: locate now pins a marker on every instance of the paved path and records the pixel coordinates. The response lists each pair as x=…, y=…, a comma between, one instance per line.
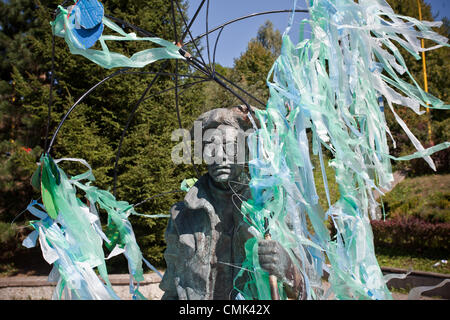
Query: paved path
x=38, y=288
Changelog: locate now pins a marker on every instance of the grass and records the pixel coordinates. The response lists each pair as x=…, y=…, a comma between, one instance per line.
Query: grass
x=412, y=263
x=426, y=197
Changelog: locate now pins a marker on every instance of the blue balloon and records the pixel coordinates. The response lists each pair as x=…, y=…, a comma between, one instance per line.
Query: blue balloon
x=86, y=22
x=88, y=37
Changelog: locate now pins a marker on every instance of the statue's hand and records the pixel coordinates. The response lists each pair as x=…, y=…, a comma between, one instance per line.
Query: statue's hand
x=273, y=258
x=276, y=261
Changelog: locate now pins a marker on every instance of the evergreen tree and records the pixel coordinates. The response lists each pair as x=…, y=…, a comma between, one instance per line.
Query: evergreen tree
x=94, y=129
x=23, y=80
x=269, y=38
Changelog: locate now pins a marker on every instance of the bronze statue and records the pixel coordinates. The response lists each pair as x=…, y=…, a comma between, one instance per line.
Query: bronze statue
x=206, y=233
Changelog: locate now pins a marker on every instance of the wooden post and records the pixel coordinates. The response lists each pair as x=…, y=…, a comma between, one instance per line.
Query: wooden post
x=425, y=78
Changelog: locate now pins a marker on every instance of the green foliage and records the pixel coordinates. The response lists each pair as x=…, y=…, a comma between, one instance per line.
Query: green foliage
x=7, y=234
x=16, y=167
x=10, y=241
x=215, y=96
x=93, y=130
x=251, y=69
x=269, y=38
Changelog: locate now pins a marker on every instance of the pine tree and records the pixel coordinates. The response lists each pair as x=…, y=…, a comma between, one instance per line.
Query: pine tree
x=23, y=95
x=269, y=38
x=94, y=129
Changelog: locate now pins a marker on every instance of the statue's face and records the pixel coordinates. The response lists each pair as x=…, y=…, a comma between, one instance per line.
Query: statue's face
x=221, y=146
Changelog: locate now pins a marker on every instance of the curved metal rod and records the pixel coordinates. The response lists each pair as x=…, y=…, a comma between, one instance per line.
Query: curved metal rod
x=207, y=34
x=168, y=74
x=194, y=62
x=238, y=87
x=148, y=33
x=246, y=17
x=156, y=196
x=221, y=27
x=214, y=52
x=188, y=28
x=203, y=68
x=52, y=79
x=130, y=118
x=176, y=86
x=121, y=71
x=188, y=31
x=185, y=86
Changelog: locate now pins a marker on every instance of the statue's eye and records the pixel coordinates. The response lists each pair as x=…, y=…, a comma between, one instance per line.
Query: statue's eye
x=209, y=149
x=230, y=149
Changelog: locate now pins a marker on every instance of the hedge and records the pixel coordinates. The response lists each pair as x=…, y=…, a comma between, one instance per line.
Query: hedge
x=412, y=235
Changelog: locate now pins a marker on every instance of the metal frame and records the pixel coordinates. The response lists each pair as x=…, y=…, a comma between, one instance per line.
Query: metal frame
x=208, y=69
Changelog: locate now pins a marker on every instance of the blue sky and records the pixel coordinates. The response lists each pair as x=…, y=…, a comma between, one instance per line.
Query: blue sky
x=234, y=38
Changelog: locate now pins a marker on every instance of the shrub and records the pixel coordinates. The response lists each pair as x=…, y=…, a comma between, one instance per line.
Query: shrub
x=10, y=240
x=412, y=235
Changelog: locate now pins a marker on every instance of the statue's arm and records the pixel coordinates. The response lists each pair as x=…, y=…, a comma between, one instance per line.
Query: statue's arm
x=168, y=282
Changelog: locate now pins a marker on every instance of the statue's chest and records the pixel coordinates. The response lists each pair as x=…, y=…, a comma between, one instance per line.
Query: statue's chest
x=222, y=258
x=222, y=232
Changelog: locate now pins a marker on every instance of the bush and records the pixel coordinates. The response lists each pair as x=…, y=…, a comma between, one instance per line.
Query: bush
x=412, y=235
x=10, y=242
x=7, y=235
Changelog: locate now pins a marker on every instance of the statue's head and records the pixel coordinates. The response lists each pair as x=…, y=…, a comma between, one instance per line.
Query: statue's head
x=224, y=133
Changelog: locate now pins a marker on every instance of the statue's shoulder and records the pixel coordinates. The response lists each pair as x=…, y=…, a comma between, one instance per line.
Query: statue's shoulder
x=185, y=212
x=194, y=194
x=177, y=209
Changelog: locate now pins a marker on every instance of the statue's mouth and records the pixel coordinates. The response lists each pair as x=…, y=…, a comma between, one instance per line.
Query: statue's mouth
x=222, y=169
